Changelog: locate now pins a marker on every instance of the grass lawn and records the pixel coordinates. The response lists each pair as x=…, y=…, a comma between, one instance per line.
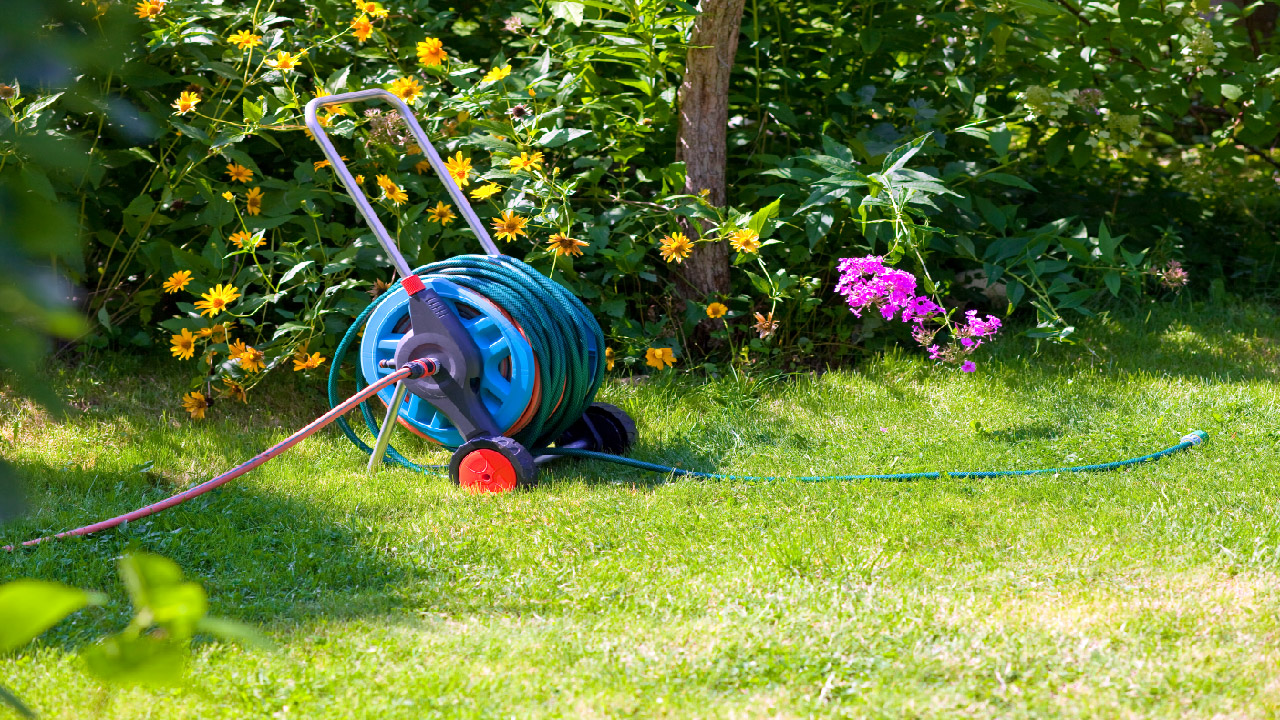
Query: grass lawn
x=607, y=592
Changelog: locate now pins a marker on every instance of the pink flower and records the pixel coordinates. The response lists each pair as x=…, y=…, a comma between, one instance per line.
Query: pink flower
x=968, y=366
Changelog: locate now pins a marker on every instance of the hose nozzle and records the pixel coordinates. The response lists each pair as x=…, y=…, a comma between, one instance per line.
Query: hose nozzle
x=1195, y=437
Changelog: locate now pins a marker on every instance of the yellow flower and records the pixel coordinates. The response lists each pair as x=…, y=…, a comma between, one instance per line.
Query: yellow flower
x=254, y=201
x=194, y=403
x=459, y=169
x=217, y=299
x=509, y=226
x=391, y=190
x=148, y=9
x=234, y=391
x=243, y=240
x=184, y=344
x=177, y=281
x=441, y=213
x=676, y=247
x=484, y=192
x=745, y=241
x=496, y=74
x=527, y=162
x=363, y=27
x=717, y=310
x=285, y=62
x=659, y=358
x=371, y=8
x=249, y=357
x=321, y=164
x=239, y=173
x=562, y=244
x=245, y=39
x=186, y=102
x=303, y=361
x=431, y=52
x=406, y=88
x=228, y=196
x=359, y=179
x=608, y=358
x=218, y=333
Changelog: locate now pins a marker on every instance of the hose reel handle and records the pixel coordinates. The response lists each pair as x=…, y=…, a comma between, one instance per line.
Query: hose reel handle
x=357, y=195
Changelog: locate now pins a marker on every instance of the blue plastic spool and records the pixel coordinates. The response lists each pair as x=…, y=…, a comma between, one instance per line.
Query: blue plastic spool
x=507, y=381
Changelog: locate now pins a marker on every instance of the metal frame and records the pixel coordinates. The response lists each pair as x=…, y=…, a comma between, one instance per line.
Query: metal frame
x=362, y=203
x=379, y=230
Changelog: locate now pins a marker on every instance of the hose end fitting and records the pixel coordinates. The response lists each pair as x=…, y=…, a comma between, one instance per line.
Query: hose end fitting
x=422, y=367
x=1196, y=437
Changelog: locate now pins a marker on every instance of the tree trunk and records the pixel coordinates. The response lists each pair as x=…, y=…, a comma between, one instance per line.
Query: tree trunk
x=700, y=142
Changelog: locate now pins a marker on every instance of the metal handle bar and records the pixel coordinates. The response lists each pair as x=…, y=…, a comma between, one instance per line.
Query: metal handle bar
x=362, y=203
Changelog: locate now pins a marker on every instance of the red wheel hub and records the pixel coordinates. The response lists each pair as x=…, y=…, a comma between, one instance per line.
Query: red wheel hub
x=487, y=471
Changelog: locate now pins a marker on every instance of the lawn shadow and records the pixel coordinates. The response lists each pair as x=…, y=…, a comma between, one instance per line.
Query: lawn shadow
x=261, y=557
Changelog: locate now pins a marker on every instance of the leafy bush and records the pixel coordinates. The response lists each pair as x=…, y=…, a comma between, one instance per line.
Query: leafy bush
x=210, y=222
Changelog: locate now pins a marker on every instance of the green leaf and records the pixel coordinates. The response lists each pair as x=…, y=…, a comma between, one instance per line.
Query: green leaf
x=999, y=141
x=29, y=607
x=561, y=136
x=1107, y=244
x=1112, y=279
x=235, y=632
x=1232, y=92
x=137, y=660
x=901, y=154
x=762, y=216
x=569, y=11
x=1007, y=179
x=155, y=585
x=1041, y=7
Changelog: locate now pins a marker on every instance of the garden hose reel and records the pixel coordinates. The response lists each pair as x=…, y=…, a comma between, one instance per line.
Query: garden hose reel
x=514, y=359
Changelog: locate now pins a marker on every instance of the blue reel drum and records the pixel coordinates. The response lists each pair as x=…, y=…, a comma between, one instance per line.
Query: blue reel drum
x=508, y=383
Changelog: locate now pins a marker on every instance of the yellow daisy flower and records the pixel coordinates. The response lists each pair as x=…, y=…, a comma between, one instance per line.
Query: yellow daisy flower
x=459, y=169
x=717, y=310
x=431, y=52
x=363, y=27
x=608, y=358
x=245, y=39
x=484, y=192
x=496, y=74
x=441, y=213
x=183, y=344
x=195, y=403
x=148, y=9
x=285, y=61
x=676, y=247
x=242, y=240
x=406, y=88
x=303, y=361
x=186, y=102
x=234, y=391
x=177, y=281
x=217, y=299
x=239, y=173
x=254, y=201
x=509, y=226
x=659, y=358
x=745, y=241
x=527, y=162
x=562, y=244
x=392, y=191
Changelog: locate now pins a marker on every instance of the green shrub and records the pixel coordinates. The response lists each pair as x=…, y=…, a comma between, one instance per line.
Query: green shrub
x=202, y=176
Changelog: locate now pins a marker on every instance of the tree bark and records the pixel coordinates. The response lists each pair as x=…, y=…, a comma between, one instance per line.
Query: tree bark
x=701, y=139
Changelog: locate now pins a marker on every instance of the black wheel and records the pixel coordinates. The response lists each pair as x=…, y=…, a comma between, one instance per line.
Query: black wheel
x=493, y=464
x=614, y=427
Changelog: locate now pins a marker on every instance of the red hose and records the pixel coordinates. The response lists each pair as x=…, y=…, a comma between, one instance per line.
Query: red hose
x=411, y=369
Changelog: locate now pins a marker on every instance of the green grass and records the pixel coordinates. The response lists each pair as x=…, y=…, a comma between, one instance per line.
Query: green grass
x=606, y=592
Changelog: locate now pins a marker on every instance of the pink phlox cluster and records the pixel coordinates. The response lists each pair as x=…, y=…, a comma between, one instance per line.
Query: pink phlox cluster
x=867, y=283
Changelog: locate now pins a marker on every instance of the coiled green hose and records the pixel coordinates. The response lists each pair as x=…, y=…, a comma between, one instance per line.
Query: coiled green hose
x=559, y=329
